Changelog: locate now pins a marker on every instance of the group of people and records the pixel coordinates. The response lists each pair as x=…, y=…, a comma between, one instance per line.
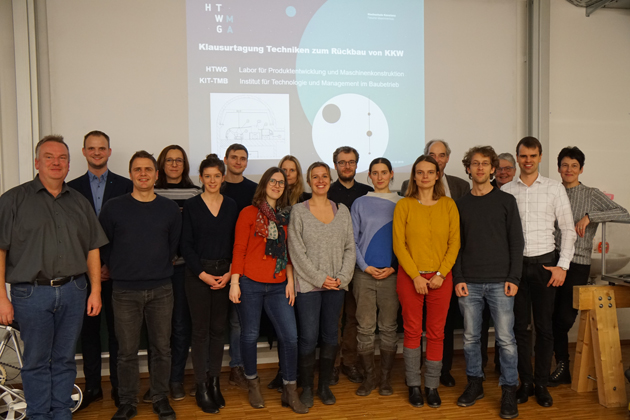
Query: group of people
x=190, y=262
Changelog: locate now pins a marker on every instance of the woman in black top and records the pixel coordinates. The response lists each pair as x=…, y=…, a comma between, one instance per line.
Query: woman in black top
x=206, y=244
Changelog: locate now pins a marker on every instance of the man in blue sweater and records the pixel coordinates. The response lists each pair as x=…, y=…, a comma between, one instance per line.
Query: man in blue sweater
x=143, y=229
x=488, y=270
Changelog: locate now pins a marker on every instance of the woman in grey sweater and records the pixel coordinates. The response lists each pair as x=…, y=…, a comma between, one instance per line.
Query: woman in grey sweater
x=322, y=249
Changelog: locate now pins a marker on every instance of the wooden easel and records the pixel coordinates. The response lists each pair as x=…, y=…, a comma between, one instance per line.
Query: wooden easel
x=598, y=352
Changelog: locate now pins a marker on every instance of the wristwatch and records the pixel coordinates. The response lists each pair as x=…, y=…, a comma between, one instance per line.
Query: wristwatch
x=440, y=274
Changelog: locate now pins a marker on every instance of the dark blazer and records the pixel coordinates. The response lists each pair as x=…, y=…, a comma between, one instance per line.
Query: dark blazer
x=116, y=186
x=458, y=186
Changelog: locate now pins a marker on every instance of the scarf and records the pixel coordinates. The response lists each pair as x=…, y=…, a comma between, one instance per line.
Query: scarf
x=269, y=225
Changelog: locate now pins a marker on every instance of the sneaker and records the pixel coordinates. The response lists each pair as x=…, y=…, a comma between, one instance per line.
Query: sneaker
x=509, y=407
x=177, y=391
x=146, y=398
x=237, y=377
x=125, y=412
x=164, y=410
x=472, y=393
x=561, y=375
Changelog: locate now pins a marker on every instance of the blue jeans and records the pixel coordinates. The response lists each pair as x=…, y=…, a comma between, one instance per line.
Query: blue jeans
x=155, y=306
x=50, y=320
x=502, y=310
x=235, y=336
x=318, y=312
x=271, y=296
x=181, y=328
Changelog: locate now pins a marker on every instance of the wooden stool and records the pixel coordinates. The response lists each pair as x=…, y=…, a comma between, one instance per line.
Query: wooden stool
x=598, y=352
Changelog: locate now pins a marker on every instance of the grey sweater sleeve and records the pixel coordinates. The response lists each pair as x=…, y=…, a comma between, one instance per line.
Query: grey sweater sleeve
x=350, y=249
x=302, y=264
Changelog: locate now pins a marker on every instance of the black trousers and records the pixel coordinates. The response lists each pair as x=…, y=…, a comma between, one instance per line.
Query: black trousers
x=454, y=318
x=533, y=292
x=209, y=314
x=563, y=314
x=91, y=342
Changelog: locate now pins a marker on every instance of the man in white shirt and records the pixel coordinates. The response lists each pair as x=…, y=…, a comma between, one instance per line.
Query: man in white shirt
x=541, y=202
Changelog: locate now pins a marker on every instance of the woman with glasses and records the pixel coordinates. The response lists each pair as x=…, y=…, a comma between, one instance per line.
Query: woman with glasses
x=322, y=248
x=174, y=182
x=207, y=242
x=426, y=242
x=262, y=277
x=374, y=281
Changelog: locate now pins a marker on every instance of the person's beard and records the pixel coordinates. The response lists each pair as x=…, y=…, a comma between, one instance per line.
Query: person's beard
x=344, y=178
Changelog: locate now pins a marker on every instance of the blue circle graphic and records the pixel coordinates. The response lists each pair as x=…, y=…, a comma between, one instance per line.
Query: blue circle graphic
x=291, y=11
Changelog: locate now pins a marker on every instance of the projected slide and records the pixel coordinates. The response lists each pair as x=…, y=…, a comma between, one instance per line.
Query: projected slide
x=305, y=77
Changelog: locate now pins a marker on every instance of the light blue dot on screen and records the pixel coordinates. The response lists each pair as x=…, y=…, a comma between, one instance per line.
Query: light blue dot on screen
x=291, y=11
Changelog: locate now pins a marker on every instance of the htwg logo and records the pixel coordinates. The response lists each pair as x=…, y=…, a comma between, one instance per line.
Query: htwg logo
x=219, y=18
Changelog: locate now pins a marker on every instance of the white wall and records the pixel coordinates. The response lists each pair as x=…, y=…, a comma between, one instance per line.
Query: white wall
x=590, y=106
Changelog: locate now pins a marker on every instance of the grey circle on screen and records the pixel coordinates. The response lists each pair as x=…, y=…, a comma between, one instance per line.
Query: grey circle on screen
x=331, y=113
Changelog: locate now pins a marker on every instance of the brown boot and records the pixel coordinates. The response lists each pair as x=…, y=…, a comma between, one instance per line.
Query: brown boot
x=369, y=379
x=291, y=399
x=237, y=377
x=255, y=397
x=387, y=362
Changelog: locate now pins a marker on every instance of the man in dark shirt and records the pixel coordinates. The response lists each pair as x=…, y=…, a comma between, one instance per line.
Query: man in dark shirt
x=241, y=190
x=488, y=270
x=98, y=185
x=49, y=239
x=345, y=190
x=143, y=229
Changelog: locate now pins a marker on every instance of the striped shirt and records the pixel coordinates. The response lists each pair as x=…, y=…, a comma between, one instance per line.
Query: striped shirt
x=540, y=206
x=585, y=200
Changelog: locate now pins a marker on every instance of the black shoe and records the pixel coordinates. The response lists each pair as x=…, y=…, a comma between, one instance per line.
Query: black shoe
x=335, y=376
x=353, y=374
x=472, y=393
x=433, y=397
x=115, y=397
x=524, y=392
x=509, y=407
x=125, y=412
x=89, y=396
x=543, y=396
x=447, y=379
x=178, y=392
x=214, y=387
x=146, y=398
x=415, y=396
x=276, y=383
x=561, y=375
x=204, y=400
x=307, y=396
x=164, y=410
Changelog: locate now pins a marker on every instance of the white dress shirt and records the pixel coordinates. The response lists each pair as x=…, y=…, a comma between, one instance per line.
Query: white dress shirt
x=447, y=190
x=540, y=205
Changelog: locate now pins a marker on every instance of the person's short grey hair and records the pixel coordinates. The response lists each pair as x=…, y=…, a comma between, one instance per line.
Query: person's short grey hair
x=427, y=147
x=508, y=157
x=54, y=138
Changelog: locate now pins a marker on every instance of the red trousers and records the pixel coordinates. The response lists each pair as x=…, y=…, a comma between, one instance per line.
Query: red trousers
x=437, y=302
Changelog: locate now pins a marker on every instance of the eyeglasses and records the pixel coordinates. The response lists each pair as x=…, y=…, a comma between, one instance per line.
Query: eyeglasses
x=482, y=164
x=505, y=169
x=273, y=182
x=176, y=162
x=347, y=163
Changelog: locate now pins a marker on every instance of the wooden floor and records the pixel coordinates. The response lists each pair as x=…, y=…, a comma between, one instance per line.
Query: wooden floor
x=567, y=403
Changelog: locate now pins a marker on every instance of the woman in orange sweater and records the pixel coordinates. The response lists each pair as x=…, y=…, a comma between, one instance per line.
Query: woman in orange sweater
x=426, y=242
x=262, y=276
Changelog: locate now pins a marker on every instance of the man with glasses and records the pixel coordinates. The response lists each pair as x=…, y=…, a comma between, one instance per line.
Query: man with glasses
x=487, y=272
x=98, y=185
x=346, y=190
x=506, y=170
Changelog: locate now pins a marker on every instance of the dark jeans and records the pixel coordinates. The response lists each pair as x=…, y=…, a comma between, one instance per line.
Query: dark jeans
x=563, y=314
x=181, y=328
x=318, y=312
x=209, y=313
x=348, y=341
x=155, y=306
x=235, y=336
x=453, y=319
x=272, y=297
x=91, y=342
x=533, y=291
x=50, y=321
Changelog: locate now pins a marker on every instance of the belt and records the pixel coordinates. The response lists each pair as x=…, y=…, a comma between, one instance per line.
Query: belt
x=548, y=258
x=56, y=282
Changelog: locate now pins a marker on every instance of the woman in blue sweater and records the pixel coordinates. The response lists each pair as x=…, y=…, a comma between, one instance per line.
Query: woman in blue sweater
x=375, y=276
